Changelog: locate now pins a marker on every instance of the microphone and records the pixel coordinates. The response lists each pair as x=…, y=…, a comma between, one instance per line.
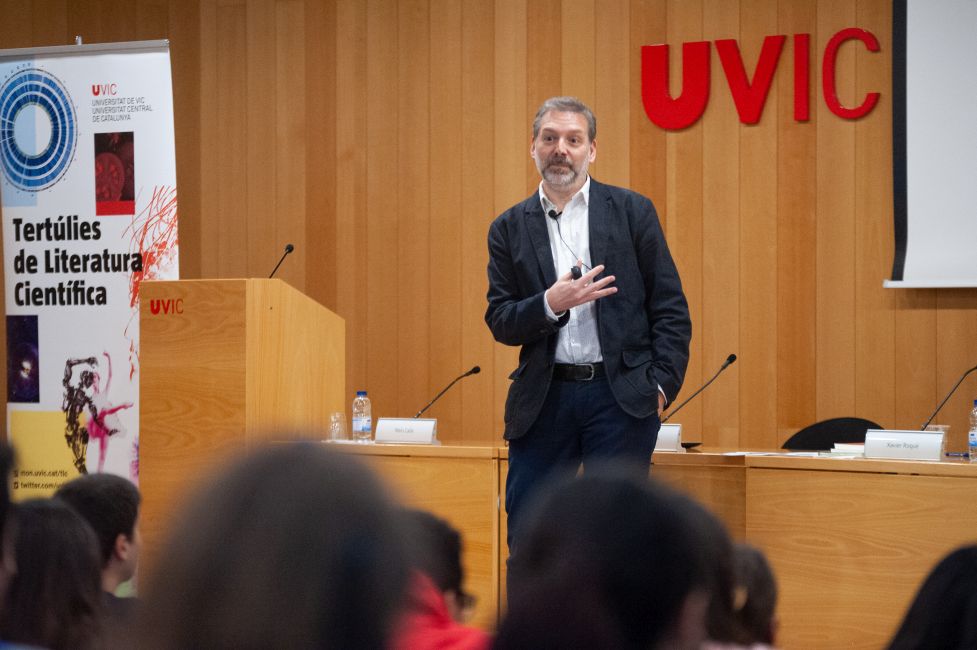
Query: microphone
x=574, y=270
x=952, y=390
x=726, y=364
x=288, y=249
x=474, y=371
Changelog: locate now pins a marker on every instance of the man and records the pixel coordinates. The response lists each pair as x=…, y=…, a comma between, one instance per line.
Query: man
x=605, y=344
x=110, y=504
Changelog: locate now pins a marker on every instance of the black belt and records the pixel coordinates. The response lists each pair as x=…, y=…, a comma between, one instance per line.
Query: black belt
x=578, y=371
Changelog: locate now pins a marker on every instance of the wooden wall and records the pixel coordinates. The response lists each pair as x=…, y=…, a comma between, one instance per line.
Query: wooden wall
x=381, y=137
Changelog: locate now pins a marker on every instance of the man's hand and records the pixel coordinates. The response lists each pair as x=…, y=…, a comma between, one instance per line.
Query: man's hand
x=661, y=404
x=567, y=292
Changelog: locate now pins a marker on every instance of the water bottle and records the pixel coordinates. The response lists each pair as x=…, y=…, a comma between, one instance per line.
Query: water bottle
x=972, y=435
x=362, y=417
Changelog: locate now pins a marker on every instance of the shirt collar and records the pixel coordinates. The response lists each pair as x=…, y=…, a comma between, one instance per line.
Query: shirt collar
x=583, y=193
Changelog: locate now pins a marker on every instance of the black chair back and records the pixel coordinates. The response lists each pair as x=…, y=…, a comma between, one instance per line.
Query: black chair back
x=824, y=434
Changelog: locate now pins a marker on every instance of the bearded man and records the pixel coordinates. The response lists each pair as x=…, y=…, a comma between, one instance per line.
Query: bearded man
x=581, y=278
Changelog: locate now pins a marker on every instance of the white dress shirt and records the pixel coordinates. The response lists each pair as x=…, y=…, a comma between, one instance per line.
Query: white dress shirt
x=577, y=342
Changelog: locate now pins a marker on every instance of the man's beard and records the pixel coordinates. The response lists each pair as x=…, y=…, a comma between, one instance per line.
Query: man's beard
x=555, y=173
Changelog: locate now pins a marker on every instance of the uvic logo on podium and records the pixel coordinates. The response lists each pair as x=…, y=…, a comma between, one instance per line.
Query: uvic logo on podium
x=168, y=306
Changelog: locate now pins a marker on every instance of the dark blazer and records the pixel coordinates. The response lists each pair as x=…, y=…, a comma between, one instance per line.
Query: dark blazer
x=644, y=328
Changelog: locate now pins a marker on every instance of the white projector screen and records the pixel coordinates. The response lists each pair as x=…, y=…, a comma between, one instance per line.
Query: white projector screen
x=934, y=143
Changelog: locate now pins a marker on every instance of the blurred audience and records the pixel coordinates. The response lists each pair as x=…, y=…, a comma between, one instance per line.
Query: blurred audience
x=944, y=612
x=55, y=597
x=8, y=566
x=294, y=546
x=613, y=560
x=437, y=602
x=110, y=504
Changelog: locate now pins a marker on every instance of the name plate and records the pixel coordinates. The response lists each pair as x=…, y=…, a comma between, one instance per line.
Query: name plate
x=408, y=431
x=669, y=438
x=907, y=445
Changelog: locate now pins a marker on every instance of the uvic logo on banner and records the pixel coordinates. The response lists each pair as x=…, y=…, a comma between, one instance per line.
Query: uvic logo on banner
x=104, y=89
x=168, y=306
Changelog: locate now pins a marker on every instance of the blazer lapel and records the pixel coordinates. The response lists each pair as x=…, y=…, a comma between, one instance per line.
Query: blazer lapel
x=599, y=228
x=540, y=237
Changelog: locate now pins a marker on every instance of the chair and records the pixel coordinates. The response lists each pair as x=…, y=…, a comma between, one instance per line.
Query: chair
x=823, y=435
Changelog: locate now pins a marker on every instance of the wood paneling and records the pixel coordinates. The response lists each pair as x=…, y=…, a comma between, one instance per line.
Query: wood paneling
x=382, y=137
x=721, y=251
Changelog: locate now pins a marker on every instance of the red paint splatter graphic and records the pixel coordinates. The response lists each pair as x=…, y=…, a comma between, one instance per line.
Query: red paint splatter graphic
x=153, y=234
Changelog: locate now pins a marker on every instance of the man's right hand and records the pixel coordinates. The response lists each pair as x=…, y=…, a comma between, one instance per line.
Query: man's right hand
x=567, y=292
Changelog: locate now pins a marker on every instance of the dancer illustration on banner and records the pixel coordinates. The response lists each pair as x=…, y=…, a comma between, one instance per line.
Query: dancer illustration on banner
x=82, y=393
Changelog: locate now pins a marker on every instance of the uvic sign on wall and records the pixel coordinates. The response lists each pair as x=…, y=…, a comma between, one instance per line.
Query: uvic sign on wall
x=88, y=189
x=749, y=89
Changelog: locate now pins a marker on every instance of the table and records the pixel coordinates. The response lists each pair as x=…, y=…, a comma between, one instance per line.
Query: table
x=849, y=539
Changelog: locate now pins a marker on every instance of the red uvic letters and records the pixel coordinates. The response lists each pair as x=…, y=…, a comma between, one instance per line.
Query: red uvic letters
x=749, y=96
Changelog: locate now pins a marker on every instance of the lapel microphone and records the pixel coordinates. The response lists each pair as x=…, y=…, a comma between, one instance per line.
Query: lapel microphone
x=574, y=270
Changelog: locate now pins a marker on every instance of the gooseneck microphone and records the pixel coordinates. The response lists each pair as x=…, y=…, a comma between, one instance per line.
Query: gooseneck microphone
x=726, y=364
x=574, y=270
x=474, y=371
x=952, y=391
x=288, y=249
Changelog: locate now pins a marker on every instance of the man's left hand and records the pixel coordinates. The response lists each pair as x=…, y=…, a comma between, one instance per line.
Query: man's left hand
x=661, y=404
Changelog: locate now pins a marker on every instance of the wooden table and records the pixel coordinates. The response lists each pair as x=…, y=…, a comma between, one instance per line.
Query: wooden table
x=849, y=539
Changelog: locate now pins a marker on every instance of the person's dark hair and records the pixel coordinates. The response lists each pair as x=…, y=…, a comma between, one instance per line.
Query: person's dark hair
x=435, y=549
x=717, y=548
x=944, y=612
x=294, y=546
x=611, y=555
x=566, y=105
x=108, y=502
x=55, y=598
x=756, y=590
x=6, y=465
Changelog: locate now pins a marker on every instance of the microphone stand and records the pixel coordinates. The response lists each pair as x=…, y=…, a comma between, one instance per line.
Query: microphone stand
x=288, y=249
x=952, y=390
x=473, y=371
x=729, y=361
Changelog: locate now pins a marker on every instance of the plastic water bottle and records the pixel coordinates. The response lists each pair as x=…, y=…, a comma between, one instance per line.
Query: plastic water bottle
x=972, y=435
x=362, y=417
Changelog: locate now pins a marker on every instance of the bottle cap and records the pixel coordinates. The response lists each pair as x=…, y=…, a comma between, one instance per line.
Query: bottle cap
x=362, y=393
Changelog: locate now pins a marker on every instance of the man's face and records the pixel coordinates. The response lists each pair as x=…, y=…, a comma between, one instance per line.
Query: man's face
x=562, y=149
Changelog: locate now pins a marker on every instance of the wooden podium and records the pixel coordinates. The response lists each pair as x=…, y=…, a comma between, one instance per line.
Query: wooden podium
x=226, y=365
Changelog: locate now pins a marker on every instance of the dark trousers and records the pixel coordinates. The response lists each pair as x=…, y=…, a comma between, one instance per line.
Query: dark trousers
x=580, y=423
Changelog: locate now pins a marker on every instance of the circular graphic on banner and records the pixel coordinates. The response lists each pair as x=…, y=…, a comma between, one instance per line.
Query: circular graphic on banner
x=38, y=131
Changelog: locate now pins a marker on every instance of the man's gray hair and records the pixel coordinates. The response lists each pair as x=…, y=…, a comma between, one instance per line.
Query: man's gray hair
x=566, y=105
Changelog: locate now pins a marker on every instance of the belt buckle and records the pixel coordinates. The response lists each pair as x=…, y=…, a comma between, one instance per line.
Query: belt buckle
x=593, y=371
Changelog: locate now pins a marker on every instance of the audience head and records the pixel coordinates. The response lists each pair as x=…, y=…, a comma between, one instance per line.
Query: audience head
x=110, y=504
x=7, y=564
x=436, y=552
x=756, y=595
x=294, y=546
x=55, y=598
x=944, y=613
x=611, y=560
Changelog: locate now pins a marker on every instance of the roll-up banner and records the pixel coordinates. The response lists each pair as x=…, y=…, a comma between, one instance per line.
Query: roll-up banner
x=89, y=209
